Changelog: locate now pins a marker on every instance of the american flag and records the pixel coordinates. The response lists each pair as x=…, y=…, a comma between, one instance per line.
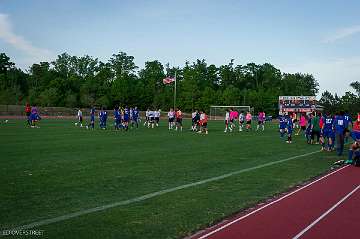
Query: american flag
x=168, y=80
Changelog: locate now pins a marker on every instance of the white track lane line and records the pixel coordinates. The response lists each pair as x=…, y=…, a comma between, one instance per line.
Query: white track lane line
x=267, y=205
x=325, y=213
x=151, y=195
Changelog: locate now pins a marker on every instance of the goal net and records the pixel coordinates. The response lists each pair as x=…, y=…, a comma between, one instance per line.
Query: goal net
x=217, y=112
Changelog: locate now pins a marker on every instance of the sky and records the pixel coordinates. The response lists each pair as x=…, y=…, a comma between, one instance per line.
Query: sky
x=316, y=37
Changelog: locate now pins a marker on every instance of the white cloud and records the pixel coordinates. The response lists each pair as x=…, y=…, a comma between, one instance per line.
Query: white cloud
x=9, y=36
x=334, y=75
x=342, y=33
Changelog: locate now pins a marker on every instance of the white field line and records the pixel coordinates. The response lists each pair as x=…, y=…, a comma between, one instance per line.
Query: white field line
x=267, y=205
x=150, y=195
x=325, y=213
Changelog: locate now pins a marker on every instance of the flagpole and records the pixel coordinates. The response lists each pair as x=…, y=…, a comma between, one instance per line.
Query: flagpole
x=175, y=92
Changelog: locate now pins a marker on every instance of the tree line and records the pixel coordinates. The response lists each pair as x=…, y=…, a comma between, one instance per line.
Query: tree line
x=72, y=81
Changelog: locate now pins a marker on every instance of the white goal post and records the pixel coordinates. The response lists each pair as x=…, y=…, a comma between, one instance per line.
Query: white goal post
x=217, y=112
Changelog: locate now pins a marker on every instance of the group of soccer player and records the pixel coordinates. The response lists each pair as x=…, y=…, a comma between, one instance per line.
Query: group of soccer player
x=123, y=118
x=32, y=115
x=325, y=129
x=199, y=122
x=152, y=118
x=232, y=117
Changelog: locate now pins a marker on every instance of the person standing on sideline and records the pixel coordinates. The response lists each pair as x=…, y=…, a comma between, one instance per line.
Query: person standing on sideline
x=339, y=132
x=315, y=128
x=355, y=147
x=347, y=122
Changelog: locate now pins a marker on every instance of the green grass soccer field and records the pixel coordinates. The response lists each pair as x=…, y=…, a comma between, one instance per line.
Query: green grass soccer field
x=59, y=169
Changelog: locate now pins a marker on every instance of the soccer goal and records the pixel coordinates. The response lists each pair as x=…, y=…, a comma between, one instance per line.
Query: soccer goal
x=217, y=112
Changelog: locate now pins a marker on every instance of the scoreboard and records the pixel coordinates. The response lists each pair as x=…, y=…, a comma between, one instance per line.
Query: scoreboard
x=297, y=103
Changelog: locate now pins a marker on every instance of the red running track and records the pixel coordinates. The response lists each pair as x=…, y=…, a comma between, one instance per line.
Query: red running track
x=326, y=208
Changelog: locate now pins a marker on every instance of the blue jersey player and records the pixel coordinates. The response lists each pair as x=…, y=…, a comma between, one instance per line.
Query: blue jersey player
x=339, y=126
x=103, y=118
x=347, y=122
x=282, y=125
x=289, y=128
x=101, y=113
x=328, y=133
x=135, y=117
x=92, y=119
x=308, y=130
x=126, y=118
x=117, y=118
